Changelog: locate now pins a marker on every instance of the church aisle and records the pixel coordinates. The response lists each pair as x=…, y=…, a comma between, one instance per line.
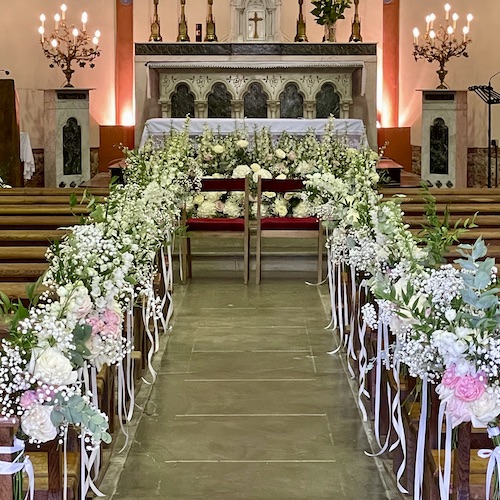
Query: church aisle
x=248, y=405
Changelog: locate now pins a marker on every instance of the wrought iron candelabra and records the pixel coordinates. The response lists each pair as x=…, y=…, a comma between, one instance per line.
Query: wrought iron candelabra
x=67, y=44
x=442, y=43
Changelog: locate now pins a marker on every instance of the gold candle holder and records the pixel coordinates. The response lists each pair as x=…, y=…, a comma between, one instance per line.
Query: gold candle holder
x=210, y=30
x=356, y=25
x=183, y=30
x=155, y=35
x=301, y=35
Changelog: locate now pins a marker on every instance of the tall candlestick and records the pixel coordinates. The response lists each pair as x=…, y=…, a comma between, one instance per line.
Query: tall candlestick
x=41, y=30
x=57, y=18
x=447, y=8
x=428, y=22
x=455, y=19
x=465, y=32
x=63, y=11
x=42, y=19
x=84, y=21
x=75, y=34
x=432, y=36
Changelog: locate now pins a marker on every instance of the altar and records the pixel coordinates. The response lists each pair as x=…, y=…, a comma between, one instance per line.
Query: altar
x=257, y=81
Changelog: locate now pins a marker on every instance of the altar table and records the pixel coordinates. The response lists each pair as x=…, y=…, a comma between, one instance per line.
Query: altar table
x=353, y=130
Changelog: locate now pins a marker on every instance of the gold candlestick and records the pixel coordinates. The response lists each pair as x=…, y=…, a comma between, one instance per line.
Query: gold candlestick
x=356, y=25
x=210, y=30
x=301, y=25
x=155, y=25
x=183, y=30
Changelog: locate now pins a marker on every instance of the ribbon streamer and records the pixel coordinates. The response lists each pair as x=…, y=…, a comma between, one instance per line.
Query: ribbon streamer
x=419, y=457
x=494, y=460
x=444, y=477
x=11, y=468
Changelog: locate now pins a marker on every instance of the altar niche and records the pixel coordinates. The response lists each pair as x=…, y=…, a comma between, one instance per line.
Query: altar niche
x=255, y=21
x=260, y=96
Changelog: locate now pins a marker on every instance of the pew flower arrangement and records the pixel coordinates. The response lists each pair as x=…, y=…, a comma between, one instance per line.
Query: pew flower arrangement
x=447, y=323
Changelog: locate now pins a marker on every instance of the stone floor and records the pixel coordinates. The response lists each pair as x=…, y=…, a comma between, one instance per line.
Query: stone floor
x=248, y=404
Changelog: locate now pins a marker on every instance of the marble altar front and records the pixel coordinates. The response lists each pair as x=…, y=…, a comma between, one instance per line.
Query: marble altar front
x=256, y=80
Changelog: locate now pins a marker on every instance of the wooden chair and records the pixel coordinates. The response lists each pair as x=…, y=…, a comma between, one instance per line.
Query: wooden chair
x=222, y=227
x=285, y=227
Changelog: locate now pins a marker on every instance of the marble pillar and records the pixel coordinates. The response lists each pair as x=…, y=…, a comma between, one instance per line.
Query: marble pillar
x=444, y=138
x=66, y=132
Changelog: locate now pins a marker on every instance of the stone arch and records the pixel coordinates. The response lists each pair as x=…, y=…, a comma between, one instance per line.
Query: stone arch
x=219, y=101
x=182, y=100
x=255, y=101
x=291, y=101
x=328, y=101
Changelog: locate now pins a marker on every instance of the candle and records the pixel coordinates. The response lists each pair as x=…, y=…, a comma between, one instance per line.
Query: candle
x=75, y=34
x=84, y=21
x=57, y=18
x=450, y=30
x=432, y=36
x=465, y=32
x=455, y=19
x=63, y=11
x=432, y=18
x=416, y=34
x=470, y=17
x=42, y=18
x=447, y=8
x=97, y=33
x=95, y=41
x=41, y=30
x=53, y=43
x=428, y=21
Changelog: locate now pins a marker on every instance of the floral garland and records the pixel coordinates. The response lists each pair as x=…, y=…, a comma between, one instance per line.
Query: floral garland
x=78, y=320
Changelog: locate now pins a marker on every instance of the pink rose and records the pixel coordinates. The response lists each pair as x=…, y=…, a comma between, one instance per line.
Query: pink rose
x=112, y=323
x=96, y=323
x=27, y=399
x=469, y=388
x=450, y=379
x=458, y=411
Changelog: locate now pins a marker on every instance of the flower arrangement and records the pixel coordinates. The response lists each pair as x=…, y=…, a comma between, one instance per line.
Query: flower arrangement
x=329, y=11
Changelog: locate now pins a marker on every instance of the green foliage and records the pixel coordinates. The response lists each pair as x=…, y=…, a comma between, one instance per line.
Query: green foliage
x=329, y=11
x=438, y=234
x=81, y=334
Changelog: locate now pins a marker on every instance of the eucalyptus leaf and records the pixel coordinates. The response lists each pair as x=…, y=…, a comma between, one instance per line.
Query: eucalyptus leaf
x=481, y=280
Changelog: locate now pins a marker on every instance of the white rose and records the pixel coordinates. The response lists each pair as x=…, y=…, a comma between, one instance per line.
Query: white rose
x=198, y=199
x=241, y=171
x=280, y=154
x=242, y=143
x=281, y=177
x=255, y=167
x=37, y=425
x=79, y=304
x=218, y=149
x=269, y=194
x=52, y=367
x=265, y=174
x=484, y=409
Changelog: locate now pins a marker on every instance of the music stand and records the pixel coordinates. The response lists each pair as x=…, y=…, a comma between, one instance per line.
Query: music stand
x=490, y=97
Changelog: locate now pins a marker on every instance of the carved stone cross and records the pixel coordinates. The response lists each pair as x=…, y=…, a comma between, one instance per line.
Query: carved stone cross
x=255, y=19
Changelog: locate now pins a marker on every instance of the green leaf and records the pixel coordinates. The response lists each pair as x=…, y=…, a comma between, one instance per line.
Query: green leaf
x=479, y=250
x=469, y=296
x=485, y=302
x=57, y=418
x=481, y=280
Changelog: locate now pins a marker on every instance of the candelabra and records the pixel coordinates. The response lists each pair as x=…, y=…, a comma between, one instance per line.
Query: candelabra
x=182, y=35
x=441, y=44
x=356, y=25
x=210, y=36
x=155, y=35
x=301, y=35
x=67, y=44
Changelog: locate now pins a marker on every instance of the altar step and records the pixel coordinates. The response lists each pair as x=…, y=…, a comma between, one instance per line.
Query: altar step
x=279, y=255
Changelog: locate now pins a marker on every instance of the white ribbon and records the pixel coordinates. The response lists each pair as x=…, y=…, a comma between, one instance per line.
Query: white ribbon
x=86, y=465
x=11, y=468
x=494, y=462
x=444, y=476
x=420, y=455
x=362, y=364
x=332, y=289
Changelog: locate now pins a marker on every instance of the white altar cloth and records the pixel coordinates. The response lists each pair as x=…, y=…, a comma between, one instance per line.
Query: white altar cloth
x=353, y=130
x=26, y=155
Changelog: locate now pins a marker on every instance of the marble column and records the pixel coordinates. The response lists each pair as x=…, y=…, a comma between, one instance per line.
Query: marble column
x=310, y=109
x=200, y=109
x=237, y=106
x=273, y=109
